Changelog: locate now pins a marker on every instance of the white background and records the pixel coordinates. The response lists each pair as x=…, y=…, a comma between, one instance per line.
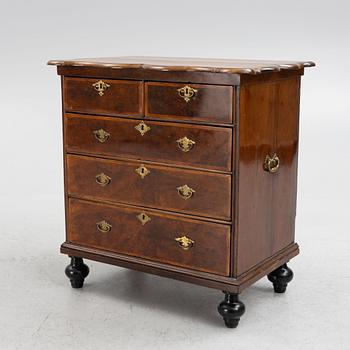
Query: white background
x=129, y=310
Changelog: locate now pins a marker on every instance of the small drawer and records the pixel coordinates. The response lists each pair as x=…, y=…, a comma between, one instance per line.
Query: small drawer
x=188, y=191
x=110, y=97
x=192, y=102
x=147, y=234
x=189, y=145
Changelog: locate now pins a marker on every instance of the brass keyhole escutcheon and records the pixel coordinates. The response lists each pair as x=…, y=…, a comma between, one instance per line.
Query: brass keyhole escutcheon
x=271, y=164
x=185, y=144
x=142, y=171
x=184, y=242
x=187, y=92
x=100, y=87
x=101, y=135
x=142, y=128
x=103, y=226
x=144, y=218
x=185, y=191
x=103, y=179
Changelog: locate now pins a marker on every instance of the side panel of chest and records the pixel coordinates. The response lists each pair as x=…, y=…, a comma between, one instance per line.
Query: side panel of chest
x=268, y=126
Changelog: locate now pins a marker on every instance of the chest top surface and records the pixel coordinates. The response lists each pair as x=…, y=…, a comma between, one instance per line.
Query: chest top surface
x=234, y=66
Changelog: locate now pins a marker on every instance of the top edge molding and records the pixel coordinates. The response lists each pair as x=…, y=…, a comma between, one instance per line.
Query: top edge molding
x=169, y=64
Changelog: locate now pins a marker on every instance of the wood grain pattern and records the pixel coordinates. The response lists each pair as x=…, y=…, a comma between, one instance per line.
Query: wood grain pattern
x=212, y=197
x=212, y=149
x=211, y=103
x=186, y=64
x=268, y=125
x=122, y=97
x=155, y=240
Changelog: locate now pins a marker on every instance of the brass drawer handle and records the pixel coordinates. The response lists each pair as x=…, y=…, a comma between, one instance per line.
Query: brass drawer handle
x=271, y=164
x=144, y=218
x=187, y=92
x=185, y=242
x=100, y=87
x=104, y=226
x=103, y=179
x=185, y=192
x=142, y=128
x=142, y=171
x=185, y=144
x=101, y=135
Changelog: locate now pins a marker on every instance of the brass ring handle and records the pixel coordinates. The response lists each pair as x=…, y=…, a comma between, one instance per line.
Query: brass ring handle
x=103, y=226
x=101, y=135
x=100, y=86
x=187, y=92
x=103, y=179
x=271, y=164
x=185, y=191
x=185, y=144
x=184, y=242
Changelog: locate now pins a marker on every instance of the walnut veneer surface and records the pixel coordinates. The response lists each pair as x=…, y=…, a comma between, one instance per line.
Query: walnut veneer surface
x=185, y=168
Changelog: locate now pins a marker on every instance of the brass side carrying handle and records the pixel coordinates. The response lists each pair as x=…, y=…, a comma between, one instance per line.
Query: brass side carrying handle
x=187, y=92
x=100, y=86
x=103, y=226
x=185, y=191
x=103, y=179
x=185, y=144
x=271, y=164
x=101, y=135
x=184, y=242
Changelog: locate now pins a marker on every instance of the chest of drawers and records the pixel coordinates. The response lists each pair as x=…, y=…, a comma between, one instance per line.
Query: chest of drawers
x=184, y=168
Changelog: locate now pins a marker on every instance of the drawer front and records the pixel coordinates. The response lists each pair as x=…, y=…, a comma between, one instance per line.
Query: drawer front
x=164, y=238
x=111, y=97
x=187, y=191
x=160, y=142
x=197, y=102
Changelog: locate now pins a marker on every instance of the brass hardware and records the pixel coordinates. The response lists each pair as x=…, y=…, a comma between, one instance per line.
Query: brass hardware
x=144, y=218
x=104, y=226
x=100, y=87
x=184, y=242
x=187, y=93
x=185, y=191
x=101, y=135
x=142, y=128
x=102, y=179
x=271, y=164
x=185, y=144
x=142, y=171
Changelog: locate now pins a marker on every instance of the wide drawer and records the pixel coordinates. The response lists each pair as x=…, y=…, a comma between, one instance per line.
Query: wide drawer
x=169, y=239
x=182, y=144
x=111, y=97
x=187, y=191
x=197, y=102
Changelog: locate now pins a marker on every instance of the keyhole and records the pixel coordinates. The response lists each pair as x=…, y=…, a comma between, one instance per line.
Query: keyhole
x=143, y=217
x=142, y=171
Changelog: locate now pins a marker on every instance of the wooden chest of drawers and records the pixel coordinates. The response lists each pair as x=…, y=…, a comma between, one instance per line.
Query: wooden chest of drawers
x=182, y=168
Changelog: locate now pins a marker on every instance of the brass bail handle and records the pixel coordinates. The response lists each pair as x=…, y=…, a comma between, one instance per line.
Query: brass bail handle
x=103, y=226
x=271, y=164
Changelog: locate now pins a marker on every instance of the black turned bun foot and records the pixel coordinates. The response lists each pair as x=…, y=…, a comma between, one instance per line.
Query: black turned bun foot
x=76, y=271
x=280, y=278
x=231, y=309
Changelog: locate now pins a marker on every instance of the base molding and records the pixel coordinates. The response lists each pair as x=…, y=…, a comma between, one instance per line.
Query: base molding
x=229, y=284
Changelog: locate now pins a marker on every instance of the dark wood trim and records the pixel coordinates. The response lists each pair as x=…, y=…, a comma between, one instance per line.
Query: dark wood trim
x=228, y=284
